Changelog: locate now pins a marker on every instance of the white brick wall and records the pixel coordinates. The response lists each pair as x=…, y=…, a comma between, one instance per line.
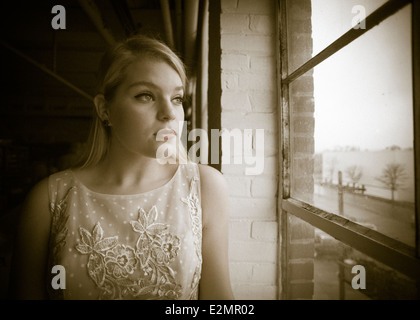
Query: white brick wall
x=249, y=99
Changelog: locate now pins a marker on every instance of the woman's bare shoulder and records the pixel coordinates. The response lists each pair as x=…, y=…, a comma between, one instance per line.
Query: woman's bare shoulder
x=211, y=177
x=35, y=212
x=214, y=195
x=38, y=195
x=31, y=245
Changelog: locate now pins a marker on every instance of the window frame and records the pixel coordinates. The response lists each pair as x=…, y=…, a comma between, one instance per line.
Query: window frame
x=384, y=249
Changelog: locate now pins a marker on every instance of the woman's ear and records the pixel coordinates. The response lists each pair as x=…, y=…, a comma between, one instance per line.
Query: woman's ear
x=100, y=105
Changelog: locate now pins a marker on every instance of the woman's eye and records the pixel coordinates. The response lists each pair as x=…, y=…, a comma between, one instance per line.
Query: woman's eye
x=178, y=100
x=144, y=97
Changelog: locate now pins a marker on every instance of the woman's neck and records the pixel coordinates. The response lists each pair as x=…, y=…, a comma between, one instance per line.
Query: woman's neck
x=122, y=173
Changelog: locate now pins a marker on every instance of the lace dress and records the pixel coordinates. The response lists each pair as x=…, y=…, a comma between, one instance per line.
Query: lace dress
x=143, y=246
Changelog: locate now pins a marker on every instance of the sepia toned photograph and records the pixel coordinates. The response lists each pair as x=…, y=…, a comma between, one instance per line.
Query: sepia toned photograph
x=230, y=150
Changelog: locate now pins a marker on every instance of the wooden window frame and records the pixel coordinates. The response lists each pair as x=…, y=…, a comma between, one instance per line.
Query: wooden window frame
x=384, y=249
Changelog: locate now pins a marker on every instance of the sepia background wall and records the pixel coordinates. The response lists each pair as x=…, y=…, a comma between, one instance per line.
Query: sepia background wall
x=249, y=101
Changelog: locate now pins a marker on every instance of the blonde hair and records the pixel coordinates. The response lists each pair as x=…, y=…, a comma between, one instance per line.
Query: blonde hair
x=111, y=74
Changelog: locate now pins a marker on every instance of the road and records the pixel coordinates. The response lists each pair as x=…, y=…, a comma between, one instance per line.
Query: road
x=394, y=220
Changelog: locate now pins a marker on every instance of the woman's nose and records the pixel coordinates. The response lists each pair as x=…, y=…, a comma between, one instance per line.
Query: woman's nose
x=166, y=110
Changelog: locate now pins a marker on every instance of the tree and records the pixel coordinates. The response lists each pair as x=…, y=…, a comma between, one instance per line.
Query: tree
x=354, y=173
x=393, y=148
x=393, y=177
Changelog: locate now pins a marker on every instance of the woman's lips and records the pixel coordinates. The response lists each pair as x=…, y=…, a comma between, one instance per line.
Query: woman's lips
x=165, y=134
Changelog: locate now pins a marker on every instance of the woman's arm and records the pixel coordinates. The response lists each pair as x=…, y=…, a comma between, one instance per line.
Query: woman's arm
x=30, y=250
x=215, y=279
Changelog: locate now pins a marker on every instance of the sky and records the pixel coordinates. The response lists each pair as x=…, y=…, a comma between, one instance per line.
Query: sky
x=363, y=94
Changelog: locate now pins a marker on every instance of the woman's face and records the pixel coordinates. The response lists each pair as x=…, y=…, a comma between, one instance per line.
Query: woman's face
x=148, y=100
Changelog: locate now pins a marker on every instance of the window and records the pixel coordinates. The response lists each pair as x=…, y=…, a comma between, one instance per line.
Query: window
x=349, y=117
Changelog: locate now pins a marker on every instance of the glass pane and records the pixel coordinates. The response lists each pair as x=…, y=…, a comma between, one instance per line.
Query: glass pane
x=352, y=131
x=344, y=273
x=327, y=19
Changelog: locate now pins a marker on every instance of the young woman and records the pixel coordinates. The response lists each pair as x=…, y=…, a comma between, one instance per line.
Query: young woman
x=123, y=224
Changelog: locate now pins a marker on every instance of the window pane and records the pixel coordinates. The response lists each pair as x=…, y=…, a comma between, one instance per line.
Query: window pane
x=352, y=121
x=333, y=274
x=328, y=20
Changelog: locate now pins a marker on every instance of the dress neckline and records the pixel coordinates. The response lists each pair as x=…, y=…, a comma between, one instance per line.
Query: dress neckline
x=82, y=185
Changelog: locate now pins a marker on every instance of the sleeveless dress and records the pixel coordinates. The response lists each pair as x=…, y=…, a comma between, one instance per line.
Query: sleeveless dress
x=142, y=246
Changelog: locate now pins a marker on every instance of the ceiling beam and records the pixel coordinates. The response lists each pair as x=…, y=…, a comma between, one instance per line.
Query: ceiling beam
x=124, y=16
x=46, y=70
x=190, y=31
x=95, y=16
x=166, y=13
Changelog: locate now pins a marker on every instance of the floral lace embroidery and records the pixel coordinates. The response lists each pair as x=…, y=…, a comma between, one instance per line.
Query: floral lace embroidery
x=120, y=270
x=194, y=207
x=58, y=236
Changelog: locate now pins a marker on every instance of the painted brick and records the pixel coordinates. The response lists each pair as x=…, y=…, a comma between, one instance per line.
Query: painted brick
x=236, y=101
x=240, y=230
x=263, y=101
x=270, y=166
x=253, y=208
x=264, y=273
x=248, y=142
x=234, y=169
x=265, y=81
x=238, y=186
x=254, y=120
x=234, y=23
x=247, y=43
x=262, y=64
x=229, y=5
x=255, y=7
x=230, y=81
x=264, y=230
x=262, y=24
x=253, y=251
x=264, y=186
x=253, y=273
x=241, y=272
x=235, y=62
x=257, y=166
x=271, y=146
x=254, y=292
